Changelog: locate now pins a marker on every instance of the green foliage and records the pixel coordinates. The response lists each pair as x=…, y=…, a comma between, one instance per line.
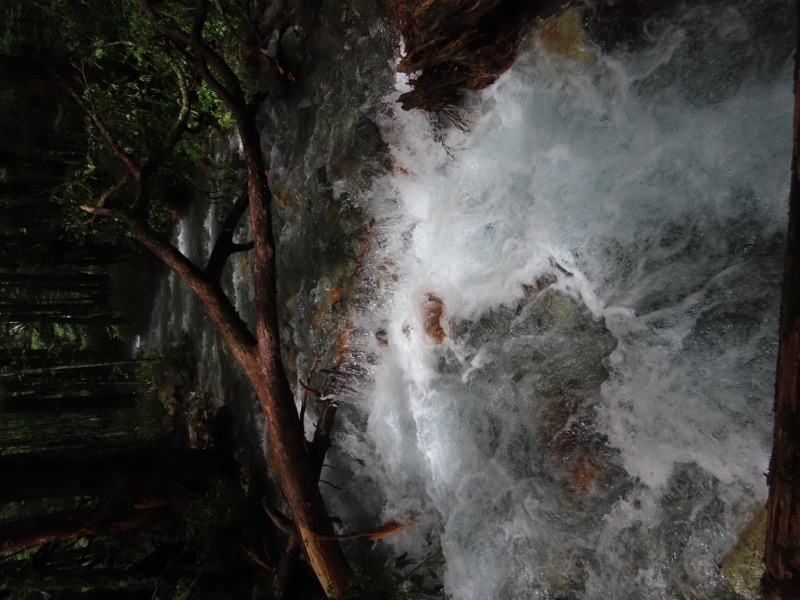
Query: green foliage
x=129, y=77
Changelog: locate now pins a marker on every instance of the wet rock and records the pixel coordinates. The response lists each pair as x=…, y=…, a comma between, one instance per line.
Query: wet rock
x=744, y=565
x=272, y=81
x=272, y=10
x=564, y=35
x=364, y=155
x=432, y=311
x=540, y=284
x=272, y=45
x=168, y=397
x=624, y=22
x=324, y=158
x=292, y=47
x=573, y=440
x=586, y=476
x=176, y=375
x=567, y=423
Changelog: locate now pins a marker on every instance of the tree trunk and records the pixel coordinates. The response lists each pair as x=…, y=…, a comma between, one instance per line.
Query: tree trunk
x=258, y=353
x=782, y=551
x=299, y=478
x=260, y=359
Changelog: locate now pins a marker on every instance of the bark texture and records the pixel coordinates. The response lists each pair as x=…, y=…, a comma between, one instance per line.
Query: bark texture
x=782, y=550
x=258, y=352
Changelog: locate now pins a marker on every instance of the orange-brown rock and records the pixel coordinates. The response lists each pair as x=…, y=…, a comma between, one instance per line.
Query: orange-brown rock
x=585, y=475
x=573, y=441
x=564, y=35
x=567, y=428
x=432, y=311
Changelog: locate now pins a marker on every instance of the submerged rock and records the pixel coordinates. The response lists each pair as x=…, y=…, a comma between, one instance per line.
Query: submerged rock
x=564, y=34
x=432, y=312
x=744, y=565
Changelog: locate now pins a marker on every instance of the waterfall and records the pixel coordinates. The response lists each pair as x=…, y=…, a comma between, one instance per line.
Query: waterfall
x=600, y=255
x=566, y=325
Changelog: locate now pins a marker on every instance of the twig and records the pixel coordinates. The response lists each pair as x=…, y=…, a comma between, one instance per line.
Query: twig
x=123, y=156
x=225, y=18
x=285, y=524
x=307, y=386
x=309, y=390
x=121, y=43
x=175, y=133
x=375, y=533
x=107, y=195
x=257, y=559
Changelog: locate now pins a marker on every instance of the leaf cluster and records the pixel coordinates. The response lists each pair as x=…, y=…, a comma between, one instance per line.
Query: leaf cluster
x=126, y=74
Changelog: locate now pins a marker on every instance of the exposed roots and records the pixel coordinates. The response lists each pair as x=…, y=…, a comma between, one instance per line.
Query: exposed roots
x=453, y=46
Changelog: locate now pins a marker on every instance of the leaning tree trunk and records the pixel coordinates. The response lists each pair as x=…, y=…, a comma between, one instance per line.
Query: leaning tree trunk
x=782, y=555
x=257, y=352
x=260, y=359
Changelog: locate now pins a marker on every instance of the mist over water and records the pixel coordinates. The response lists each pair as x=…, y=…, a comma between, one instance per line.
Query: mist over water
x=606, y=242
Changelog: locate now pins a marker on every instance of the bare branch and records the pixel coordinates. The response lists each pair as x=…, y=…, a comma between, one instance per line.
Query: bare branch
x=225, y=18
x=374, y=533
x=307, y=386
x=280, y=521
x=259, y=561
x=120, y=43
x=225, y=246
x=112, y=142
x=309, y=390
x=114, y=189
x=178, y=128
x=221, y=310
x=201, y=68
x=98, y=211
x=141, y=202
x=107, y=196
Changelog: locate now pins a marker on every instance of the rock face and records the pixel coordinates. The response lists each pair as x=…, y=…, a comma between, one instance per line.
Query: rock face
x=326, y=147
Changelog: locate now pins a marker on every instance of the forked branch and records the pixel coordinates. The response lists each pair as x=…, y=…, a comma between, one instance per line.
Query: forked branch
x=224, y=247
x=202, y=58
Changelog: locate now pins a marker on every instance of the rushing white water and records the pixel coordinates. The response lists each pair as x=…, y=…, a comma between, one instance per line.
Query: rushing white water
x=606, y=242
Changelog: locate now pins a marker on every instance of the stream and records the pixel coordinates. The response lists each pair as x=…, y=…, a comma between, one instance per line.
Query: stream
x=563, y=335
